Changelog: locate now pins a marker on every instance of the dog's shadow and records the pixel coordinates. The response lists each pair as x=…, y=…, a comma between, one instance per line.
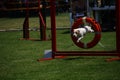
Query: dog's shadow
x=78, y=58
x=66, y=32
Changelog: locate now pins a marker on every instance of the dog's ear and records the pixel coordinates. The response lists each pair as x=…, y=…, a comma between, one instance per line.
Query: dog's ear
x=74, y=30
x=77, y=31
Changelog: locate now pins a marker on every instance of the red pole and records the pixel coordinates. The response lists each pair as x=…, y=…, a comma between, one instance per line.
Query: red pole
x=42, y=20
x=53, y=26
x=26, y=22
x=117, y=31
x=118, y=25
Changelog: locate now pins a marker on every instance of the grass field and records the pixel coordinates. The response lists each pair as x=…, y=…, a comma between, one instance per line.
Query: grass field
x=17, y=23
x=18, y=58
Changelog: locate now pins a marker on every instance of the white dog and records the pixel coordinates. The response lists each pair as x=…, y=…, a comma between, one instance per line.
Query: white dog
x=80, y=32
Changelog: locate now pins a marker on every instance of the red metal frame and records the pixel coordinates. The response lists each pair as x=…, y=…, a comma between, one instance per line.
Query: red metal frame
x=84, y=53
x=118, y=25
x=42, y=18
x=26, y=34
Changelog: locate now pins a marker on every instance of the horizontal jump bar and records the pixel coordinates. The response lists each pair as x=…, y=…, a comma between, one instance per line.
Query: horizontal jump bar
x=87, y=53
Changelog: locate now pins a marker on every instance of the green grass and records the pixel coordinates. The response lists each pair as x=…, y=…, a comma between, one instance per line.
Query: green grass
x=18, y=58
x=18, y=61
x=62, y=20
x=67, y=43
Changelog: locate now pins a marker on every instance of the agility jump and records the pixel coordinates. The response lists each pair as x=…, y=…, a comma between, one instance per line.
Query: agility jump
x=96, y=30
x=56, y=53
x=42, y=21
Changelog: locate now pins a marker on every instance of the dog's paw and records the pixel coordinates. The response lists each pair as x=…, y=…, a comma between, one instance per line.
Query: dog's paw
x=92, y=31
x=78, y=41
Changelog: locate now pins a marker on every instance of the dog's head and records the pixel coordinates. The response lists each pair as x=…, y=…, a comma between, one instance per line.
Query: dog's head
x=89, y=28
x=75, y=32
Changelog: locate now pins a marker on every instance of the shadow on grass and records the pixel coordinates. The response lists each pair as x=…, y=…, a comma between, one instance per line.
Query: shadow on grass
x=66, y=32
x=77, y=58
x=103, y=58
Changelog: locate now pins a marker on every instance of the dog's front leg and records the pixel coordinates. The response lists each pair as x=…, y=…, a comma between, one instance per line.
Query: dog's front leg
x=79, y=39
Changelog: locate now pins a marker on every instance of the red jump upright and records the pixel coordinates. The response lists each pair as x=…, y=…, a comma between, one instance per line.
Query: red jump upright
x=26, y=23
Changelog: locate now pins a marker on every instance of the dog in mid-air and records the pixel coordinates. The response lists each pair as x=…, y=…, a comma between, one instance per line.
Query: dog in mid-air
x=80, y=32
